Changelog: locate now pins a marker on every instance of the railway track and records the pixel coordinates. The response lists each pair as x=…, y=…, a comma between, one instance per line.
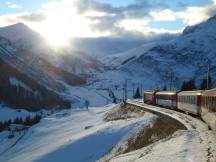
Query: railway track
x=190, y=122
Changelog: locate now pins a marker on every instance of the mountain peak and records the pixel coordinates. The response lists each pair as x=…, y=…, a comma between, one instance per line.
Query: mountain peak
x=206, y=26
x=17, y=32
x=17, y=26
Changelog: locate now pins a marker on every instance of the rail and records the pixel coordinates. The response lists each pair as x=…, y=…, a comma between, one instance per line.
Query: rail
x=188, y=121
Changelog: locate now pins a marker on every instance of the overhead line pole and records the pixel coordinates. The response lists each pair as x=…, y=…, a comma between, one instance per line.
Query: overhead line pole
x=208, y=76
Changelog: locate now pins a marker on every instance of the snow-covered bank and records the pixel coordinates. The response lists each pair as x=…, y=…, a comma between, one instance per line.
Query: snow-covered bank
x=197, y=144
x=183, y=146
x=76, y=135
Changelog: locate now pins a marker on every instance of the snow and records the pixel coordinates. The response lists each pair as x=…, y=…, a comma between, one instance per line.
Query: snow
x=7, y=143
x=187, y=146
x=16, y=82
x=186, y=56
x=119, y=58
x=79, y=95
x=7, y=113
x=197, y=144
x=72, y=135
x=190, y=122
x=82, y=135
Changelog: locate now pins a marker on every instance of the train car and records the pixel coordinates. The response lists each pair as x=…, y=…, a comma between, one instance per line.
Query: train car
x=190, y=102
x=167, y=99
x=208, y=108
x=149, y=97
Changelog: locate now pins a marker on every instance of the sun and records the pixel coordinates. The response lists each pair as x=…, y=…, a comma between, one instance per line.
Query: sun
x=57, y=39
x=63, y=24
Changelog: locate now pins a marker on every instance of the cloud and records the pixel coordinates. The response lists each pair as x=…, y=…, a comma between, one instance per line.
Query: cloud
x=195, y=15
x=164, y=15
x=21, y=17
x=190, y=16
x=13, y=5
x=92, y=18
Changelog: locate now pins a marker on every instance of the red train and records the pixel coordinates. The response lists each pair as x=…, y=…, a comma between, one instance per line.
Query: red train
x=200, y=103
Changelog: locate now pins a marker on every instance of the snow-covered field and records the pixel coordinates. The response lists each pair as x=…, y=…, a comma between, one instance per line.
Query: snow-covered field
x=80, y=135
x=73, y=135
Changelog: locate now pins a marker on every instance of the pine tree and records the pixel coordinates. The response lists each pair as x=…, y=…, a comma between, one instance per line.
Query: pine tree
x=203, y=84
x=188, y=85
x=137, y=94
x=183, y=87
x=165, y=88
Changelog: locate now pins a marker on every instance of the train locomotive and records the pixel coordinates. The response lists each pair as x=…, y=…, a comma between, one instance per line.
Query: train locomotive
x=201, y=103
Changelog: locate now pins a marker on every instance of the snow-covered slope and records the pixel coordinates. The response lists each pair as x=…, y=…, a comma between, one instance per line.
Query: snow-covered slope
x=84, y=136
x=73, y=61
x=22, y=36
x=125, y=57
x=79, y=136
x=182, y=58
x=35, y=67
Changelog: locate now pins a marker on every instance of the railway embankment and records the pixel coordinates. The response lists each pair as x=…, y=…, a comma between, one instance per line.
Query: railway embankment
x=190, y=122
x=161, y=128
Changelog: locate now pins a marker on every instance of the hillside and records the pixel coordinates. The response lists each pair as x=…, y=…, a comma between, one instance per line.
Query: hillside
x=67, y=58
x=182, y=58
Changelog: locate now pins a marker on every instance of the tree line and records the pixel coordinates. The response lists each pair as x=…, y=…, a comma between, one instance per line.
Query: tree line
x=28, y=121
x=190, y=85
x=19, y=97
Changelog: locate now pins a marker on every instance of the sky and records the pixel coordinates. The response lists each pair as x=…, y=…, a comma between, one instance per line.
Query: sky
x=62, y=19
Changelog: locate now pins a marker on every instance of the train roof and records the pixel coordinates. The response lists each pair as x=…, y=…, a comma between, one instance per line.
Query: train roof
x=150, y=91
x=211, y=92
x=167, y=92
x=186, y=93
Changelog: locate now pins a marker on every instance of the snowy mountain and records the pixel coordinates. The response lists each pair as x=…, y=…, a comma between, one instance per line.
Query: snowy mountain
x=21, y=35
x=106, y=46
x=34, y=66
x=69, y=59
x=31, y=82
x=182, y=58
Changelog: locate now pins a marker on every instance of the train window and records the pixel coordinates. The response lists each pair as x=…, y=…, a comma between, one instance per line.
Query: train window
x=214, y=104
x=194, y=100
x=208, y=103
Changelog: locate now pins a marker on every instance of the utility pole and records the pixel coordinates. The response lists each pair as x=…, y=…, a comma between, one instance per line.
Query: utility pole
x=171, y=80
x=208, y=76
x=126, y=90
x=141, y=90
x=133, y=88
x=123, y=90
